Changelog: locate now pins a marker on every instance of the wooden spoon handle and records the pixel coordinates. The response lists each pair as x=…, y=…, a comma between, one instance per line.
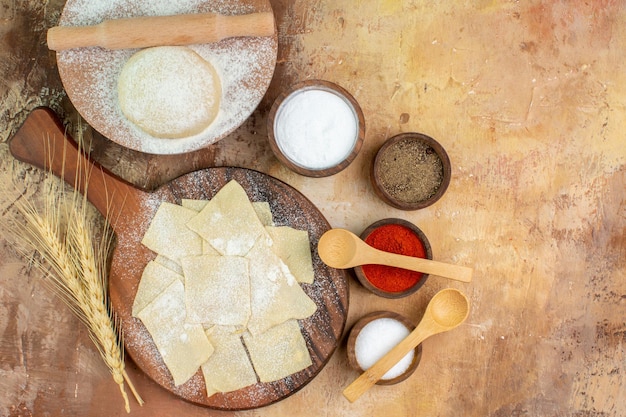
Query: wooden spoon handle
x=42, y=141
x=428, y=266
x=143, y=32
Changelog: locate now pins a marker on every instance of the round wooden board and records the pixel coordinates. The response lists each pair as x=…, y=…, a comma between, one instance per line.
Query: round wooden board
x=89, y=75
x=322, y=331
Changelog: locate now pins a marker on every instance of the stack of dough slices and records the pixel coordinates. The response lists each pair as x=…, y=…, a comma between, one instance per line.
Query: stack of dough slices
x=223, y=294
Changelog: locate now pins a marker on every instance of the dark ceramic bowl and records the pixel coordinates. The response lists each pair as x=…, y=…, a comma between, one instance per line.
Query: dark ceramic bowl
x=277, y=113
x=416, y=188
x=359, y=325
x=362, y=277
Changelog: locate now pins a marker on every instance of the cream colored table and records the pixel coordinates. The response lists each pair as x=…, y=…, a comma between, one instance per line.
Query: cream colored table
x=528, y=100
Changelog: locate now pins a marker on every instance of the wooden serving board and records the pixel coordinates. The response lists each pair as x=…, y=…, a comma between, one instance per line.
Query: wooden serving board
x=41, y=142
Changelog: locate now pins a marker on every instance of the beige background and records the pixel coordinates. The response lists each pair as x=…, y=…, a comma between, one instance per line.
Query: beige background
x=528, y=98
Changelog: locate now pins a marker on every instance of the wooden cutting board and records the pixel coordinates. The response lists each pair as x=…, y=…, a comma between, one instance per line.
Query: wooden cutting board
x=41, y=142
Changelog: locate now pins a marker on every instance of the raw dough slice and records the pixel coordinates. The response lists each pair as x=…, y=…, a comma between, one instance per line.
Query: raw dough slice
x=184, y=347
x=228, y=368
x=264, y=212
x=278, y=352
x=228, y=221
x=169, y=264
x=293, y=247
x=192, y=204
x=154, y=280
x=275, y=295
x=217, y=289
x=169, y=91
x=261, y=208
x=167, y=234
x=208, y=249
x=197, y=206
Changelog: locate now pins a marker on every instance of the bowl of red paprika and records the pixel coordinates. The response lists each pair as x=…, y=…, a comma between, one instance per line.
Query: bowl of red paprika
x=397, y=236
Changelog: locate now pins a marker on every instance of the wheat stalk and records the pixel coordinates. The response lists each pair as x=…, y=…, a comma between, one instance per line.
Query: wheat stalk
x=75, y=262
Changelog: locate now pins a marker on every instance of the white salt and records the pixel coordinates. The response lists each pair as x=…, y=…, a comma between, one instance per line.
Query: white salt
x=315, y=129
x=376, y=339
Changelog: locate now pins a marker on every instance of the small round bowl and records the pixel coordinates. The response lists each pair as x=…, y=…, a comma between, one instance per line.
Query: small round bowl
x=365, y=320
x=361, y=271
x=316, y=128
x=411, y=171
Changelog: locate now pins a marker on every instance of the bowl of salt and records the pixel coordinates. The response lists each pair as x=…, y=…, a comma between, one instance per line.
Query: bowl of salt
x=373, y=336
x=316, y=128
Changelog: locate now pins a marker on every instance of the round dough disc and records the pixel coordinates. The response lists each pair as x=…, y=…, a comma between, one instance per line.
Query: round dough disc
x=169, y=91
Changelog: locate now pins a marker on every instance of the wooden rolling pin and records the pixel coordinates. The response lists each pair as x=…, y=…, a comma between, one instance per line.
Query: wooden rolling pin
x=143, y=32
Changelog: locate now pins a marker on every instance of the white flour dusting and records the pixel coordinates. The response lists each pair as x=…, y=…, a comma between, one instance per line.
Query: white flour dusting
x=315, y=128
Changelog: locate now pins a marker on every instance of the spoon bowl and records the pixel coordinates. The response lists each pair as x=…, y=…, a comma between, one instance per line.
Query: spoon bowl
x=448, y=309
x=445, y=311
x=340, y=248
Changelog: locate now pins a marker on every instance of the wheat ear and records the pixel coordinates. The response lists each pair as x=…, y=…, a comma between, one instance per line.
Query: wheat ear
x=96, y=308
x=75, y=262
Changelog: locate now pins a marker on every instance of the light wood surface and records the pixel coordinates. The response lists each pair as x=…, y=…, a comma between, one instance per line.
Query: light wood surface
x=143, y=32
x=528, y=100
x=340, y=248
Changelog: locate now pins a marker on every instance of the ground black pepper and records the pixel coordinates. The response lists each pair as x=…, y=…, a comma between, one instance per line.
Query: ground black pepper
x=410, y=171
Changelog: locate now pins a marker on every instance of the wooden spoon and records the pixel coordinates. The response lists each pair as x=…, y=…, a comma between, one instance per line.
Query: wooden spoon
x=446, y=310
x=142, y=32
x=340, y=248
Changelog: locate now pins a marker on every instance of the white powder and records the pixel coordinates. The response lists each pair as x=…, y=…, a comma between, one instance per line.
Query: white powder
x=315, y=129
x=376, y=339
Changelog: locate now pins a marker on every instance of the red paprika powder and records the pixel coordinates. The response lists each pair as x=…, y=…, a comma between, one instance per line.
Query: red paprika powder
x=397, y=239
